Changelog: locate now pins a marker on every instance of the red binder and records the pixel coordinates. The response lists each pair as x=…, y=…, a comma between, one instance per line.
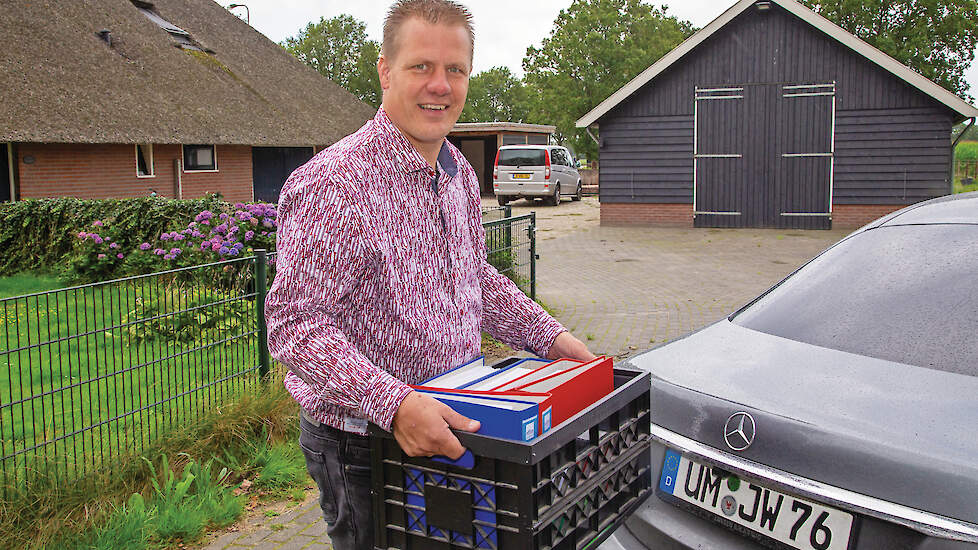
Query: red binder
x=572, y=390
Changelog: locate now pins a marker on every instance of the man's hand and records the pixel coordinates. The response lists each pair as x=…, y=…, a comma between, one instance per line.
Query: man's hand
x=421, y=427
x=565, y=346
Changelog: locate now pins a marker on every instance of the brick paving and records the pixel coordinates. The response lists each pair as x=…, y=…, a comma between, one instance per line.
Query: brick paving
x=622, y=290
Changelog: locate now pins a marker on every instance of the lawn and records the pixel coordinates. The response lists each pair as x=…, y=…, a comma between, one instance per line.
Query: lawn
x=966, y=152
x=94, y=373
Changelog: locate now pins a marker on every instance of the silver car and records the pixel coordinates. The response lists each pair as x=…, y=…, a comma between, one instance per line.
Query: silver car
x=837, y=411
x=535, y=171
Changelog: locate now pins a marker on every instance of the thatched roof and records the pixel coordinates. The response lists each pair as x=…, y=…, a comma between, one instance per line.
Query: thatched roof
x=62, y=83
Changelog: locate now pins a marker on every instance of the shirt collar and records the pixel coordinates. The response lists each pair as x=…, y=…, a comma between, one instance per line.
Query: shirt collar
x=404, y=152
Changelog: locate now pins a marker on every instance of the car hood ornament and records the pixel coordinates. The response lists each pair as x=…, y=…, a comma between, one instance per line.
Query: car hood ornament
x=738, y=432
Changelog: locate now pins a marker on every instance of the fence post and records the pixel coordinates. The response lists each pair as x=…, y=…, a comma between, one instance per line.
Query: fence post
x=261, y=284
x=532, y=233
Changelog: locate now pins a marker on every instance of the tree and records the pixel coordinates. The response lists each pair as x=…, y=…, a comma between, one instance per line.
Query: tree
x=936, y=38
x=338, y=48
x=495, y=95
x=595, y=47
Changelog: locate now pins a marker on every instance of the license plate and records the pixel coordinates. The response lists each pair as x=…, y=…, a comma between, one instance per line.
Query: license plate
x=797, y=522
x=521, y=176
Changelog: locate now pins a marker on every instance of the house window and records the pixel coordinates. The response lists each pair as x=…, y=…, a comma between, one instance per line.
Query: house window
x=144, y=161
x=199, y=158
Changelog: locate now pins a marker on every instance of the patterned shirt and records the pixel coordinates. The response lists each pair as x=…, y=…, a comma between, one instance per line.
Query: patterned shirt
x=382, y=280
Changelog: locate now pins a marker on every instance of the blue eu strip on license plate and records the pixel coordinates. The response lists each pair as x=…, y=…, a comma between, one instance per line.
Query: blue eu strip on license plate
x=794, y=521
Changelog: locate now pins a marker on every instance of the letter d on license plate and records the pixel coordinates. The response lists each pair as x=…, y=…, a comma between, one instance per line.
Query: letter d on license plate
x=791, y=520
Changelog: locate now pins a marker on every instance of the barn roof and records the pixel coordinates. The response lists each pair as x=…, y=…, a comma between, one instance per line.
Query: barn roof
x=898, y=69
x=176, y=71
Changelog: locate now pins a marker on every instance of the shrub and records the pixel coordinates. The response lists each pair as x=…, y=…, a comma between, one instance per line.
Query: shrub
x=40, y=233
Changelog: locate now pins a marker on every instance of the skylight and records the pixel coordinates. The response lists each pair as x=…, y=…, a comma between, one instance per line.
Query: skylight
x=182, y=37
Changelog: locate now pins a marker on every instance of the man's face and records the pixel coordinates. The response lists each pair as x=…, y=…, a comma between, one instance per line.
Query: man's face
x=426, y=80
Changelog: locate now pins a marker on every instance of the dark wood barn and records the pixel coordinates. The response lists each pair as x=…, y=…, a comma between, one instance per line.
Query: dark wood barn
x=772, y=116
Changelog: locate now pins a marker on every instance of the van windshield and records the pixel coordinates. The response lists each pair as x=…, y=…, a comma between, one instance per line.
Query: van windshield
x=521, y=157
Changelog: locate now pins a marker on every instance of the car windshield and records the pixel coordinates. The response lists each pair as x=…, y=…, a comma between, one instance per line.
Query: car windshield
x=521, y=157
x=900, y=293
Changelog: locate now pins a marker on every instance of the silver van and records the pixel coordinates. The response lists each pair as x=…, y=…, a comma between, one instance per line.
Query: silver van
x=535, y=171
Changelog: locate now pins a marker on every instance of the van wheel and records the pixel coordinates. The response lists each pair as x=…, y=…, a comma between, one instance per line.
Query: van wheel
x=503, y=201
x=580, y=192
x=555, y=199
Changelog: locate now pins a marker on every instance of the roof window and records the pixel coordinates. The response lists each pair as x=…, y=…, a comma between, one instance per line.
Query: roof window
x=181, y=37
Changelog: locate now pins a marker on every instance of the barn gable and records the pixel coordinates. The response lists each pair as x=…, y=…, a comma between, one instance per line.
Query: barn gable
x=769, y=120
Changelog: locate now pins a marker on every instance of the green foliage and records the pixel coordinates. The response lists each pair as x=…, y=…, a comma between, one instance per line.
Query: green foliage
x=595, y=47
x=936, y=38
x=339, y=50
x=495, y=95
x=186, y=317
x=966, y=150
x=41, y=233
x=274, y=466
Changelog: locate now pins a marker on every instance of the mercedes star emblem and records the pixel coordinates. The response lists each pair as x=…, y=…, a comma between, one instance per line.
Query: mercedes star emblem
x=738, y=432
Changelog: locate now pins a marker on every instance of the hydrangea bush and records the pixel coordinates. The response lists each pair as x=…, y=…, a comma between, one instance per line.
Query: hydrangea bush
x=211, y=236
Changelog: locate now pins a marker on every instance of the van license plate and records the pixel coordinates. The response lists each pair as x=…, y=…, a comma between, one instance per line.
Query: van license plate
x=797, y=522
x=521, y=176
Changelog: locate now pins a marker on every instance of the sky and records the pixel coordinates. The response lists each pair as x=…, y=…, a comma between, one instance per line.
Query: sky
x=503, y=28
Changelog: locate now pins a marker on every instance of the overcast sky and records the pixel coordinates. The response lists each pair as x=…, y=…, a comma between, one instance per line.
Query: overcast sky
x=503, y=28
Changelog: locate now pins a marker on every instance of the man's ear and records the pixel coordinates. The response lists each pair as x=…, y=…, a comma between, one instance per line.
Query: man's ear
x=384, y=71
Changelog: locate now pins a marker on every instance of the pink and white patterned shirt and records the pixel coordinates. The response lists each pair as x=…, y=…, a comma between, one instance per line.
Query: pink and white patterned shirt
x=382, y=280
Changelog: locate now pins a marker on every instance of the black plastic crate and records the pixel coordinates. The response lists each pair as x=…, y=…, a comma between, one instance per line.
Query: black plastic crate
x=568, y=489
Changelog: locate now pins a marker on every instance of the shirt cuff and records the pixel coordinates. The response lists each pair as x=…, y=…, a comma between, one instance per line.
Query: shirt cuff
x=543, y=331
x=382, y=398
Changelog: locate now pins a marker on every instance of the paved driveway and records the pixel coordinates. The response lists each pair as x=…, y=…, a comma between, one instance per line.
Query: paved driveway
x=625, y=289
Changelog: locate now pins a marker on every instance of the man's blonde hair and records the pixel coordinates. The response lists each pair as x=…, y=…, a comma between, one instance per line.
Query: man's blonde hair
x=445, y=12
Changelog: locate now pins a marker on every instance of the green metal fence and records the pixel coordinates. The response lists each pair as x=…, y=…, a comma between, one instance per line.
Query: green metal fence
x=94, y=373
x=511, y=244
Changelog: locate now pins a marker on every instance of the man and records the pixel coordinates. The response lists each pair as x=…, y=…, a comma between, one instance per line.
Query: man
x=382, y=275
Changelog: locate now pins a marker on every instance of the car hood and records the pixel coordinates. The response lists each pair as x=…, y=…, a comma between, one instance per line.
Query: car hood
x=893, y=431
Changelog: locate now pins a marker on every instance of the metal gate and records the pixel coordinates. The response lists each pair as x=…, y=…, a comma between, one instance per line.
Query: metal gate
x=806, y=139
x=763, y=155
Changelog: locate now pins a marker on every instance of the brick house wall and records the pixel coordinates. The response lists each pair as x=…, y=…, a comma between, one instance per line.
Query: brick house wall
x=104, y=171
x=844, y=216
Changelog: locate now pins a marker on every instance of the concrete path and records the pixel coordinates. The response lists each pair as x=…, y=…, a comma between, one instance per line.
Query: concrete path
x=620, y=290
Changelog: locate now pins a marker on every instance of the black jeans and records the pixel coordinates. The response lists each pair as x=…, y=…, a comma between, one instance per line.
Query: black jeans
x=340, y=463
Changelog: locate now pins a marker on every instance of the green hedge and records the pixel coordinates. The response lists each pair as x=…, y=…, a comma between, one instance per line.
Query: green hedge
x=40, y=233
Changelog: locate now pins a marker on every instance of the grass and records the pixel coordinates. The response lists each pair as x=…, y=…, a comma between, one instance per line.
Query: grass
x=27, y=283
x=176, y=499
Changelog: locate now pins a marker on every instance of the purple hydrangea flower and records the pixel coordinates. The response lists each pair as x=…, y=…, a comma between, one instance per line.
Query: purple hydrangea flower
x=168, y=257
x=165, y=236
x=205, y=245
x=263, y=233
x=98, y=223
x=215, y=246
x=82, y=235
x=223, y=216
x=178, y=237
x=222, y=229
x=232, y=252
x=101, y=256
x=159, y=252
x=249, y=235
x=114, y=245
x=203, y=216
x=239, y=205
x=145, y=246
x=224, y=250
x=96, y=238
x=175, y=251
x=120, y=255
x=197, y=234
